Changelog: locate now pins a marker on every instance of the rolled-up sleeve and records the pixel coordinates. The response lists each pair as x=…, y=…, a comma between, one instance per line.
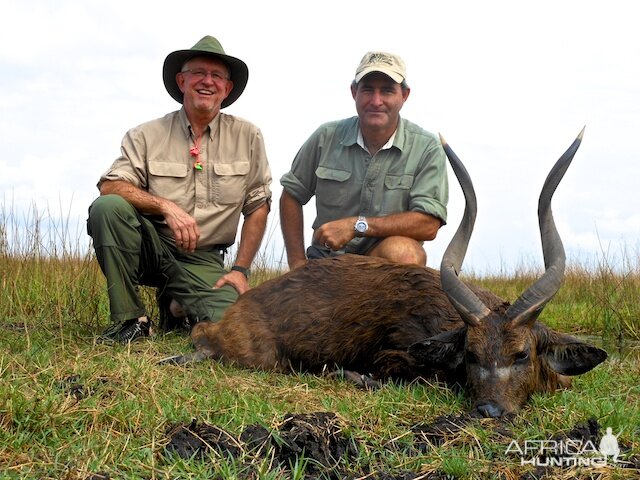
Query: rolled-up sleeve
x=430, y=189
x=130, y=166
x=258, y=189
x=300, y=181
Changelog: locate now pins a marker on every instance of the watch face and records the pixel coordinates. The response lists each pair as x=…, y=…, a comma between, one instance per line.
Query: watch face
x=361, y=226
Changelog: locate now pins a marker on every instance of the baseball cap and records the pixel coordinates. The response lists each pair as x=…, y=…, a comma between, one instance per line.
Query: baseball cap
x=387, y=63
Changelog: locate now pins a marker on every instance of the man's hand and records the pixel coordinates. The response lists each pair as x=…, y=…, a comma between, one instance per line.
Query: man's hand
x=236, y=279
x=335, y=235
x=184, y=227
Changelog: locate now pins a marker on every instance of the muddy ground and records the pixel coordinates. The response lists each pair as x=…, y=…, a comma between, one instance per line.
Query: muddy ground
x=329, y=452
x=320, y=438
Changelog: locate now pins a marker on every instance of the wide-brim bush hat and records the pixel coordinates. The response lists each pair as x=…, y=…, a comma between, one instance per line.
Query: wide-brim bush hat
x=207, y=46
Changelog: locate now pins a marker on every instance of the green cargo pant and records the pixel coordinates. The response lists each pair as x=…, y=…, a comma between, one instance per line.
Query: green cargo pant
x=131, y=252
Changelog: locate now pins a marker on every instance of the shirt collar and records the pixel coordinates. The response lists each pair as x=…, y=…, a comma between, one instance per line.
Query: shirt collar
x=353, y=135
x=186, y=126
x=386, y=146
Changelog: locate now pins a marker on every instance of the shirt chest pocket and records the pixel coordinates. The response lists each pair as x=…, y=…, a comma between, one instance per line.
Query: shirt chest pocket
x=230, y=183
x=396, y=193
x=167, y=180
x=333, y=186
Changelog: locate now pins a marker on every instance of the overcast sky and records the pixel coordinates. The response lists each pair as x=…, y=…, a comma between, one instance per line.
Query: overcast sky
x=509, y=84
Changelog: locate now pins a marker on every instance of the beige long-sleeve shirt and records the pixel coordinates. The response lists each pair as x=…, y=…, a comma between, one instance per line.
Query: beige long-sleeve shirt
x=235, y=177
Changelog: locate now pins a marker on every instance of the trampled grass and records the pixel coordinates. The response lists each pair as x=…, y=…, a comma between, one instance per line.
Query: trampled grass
x=73, y=408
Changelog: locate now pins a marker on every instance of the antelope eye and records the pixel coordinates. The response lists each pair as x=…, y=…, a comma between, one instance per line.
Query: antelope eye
x=521, y=356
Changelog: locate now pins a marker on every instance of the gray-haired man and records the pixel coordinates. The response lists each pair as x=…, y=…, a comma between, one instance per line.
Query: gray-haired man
x=170, y=205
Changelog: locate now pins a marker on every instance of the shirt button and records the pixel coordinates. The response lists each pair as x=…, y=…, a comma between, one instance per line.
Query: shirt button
x=200, y=205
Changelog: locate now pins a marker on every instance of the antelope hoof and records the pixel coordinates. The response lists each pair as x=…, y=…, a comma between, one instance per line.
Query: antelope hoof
x=175, y=360
x=362, y=381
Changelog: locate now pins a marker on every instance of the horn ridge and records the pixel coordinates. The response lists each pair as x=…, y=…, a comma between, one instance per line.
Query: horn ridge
x=529, y=305
x=469, y=306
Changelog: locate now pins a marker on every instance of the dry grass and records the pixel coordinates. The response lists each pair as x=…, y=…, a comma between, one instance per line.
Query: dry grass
x=72, y=408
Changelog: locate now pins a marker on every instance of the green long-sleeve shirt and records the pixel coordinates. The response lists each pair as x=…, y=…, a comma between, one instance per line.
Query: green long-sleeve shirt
x=346, y=180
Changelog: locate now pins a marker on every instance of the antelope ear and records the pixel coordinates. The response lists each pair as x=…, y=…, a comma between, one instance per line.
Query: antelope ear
x=443, y=351
x=569, y=356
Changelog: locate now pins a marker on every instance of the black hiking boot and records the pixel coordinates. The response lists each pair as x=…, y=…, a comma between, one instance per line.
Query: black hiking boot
x=130, y=331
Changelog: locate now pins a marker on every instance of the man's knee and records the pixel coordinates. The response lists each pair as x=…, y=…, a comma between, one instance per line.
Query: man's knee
x=416, y=256
x=106, y=205
x=401, y=250
x=107, y=212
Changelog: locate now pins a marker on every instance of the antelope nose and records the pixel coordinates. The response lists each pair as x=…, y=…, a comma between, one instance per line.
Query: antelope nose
x=490, y=410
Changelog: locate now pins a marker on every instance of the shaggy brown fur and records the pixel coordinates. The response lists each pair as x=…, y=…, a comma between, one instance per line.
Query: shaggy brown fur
x=389, y=320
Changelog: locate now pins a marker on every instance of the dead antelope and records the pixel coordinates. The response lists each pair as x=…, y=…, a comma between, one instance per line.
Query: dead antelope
x=398, y=321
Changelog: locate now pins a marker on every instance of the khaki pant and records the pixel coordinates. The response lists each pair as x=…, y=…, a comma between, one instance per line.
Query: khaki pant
x=131, y=252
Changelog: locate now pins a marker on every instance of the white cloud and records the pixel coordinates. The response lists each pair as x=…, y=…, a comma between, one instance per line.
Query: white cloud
x=508, y=84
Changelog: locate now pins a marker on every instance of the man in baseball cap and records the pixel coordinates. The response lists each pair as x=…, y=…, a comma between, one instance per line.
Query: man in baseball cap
x=379, y=180
x=170, y=204
x=387, y=63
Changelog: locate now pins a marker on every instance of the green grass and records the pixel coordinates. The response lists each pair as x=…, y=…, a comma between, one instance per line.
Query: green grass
x=73, y=408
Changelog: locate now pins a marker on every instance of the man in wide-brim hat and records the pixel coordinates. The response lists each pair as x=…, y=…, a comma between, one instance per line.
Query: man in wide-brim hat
x=208, y=47
x=170, y=205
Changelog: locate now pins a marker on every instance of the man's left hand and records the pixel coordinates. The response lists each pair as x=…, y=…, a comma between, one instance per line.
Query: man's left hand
x=335, y=235
x=236, y=279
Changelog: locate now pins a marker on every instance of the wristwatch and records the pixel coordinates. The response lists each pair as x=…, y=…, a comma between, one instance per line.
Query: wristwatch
x=361, y=226
x=243, y=270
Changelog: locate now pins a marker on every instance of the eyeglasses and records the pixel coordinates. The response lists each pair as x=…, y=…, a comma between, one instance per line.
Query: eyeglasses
x=201, y=74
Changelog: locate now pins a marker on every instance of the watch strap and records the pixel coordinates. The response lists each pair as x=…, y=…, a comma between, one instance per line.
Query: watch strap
x=242, y=270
